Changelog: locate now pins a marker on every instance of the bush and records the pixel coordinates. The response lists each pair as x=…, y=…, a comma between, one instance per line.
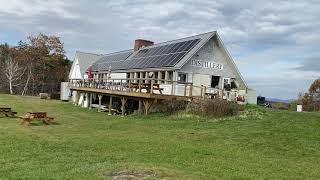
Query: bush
x=280, y=106
x=253, y=112
x=171, y=106
x=213, y=107
x=293, y=106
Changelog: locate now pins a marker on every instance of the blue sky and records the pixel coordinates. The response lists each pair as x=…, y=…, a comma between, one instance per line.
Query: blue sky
x=274, y=43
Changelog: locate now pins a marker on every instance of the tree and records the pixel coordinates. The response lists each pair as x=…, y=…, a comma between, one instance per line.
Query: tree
x=39, y=64
x=13, y=73
x=311, y=100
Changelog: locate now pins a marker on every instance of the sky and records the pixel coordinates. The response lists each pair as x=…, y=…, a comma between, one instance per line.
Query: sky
x=274, y=43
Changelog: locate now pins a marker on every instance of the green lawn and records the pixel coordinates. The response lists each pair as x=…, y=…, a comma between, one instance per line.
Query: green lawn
x=85, y=144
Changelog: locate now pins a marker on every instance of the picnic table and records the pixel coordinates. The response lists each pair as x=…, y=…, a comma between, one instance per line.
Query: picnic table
x=146, y=86
x=35, y=116
x=7, y=112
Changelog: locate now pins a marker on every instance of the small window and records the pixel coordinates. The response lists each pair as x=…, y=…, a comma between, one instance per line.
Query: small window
x=182, y=77
x=215, y=81
x=233, y=84
x=227, y=84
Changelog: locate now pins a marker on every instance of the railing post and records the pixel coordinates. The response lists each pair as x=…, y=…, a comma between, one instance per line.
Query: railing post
x=204, y=91
x=191, y=89
x=139, y=85
x=172, y=84
x=151, y=89
x=185, y=89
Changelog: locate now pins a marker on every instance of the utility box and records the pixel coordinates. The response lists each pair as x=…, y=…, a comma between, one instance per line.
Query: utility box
x=299, y=108
x=64, y=91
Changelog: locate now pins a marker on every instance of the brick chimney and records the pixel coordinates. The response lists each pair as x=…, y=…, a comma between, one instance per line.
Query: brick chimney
x=139, y=43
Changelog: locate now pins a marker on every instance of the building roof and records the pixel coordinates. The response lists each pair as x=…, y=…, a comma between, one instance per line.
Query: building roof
x=86, y=59
x=113, y=60
x=170, y=54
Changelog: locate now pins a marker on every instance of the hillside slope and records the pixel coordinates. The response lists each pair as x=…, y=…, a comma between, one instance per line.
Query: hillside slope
x=85, y=144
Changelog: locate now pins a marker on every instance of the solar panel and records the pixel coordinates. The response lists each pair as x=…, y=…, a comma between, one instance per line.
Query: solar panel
x=112, y=60
x=161, y=56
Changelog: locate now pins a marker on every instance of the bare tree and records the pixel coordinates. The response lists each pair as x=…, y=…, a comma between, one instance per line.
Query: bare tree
x=13, y=73
x=27, y=82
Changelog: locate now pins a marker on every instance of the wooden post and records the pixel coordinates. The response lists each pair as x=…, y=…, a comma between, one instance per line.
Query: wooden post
x=166, y=77
x=141, y=76
x=201, y=92
x=110, y=105
x=147, y=105
x=100, y=101
x=135, y=77
x=159, y=77
x=84, y=97
x=172, y=84
x=140, y=85
x=77, y=98
x=140, y=106
x=204, y=91
x=121, y=87
x=190, y=90
x=123, y=103
x=90, y=100
x=151, y=88
x=185, y=89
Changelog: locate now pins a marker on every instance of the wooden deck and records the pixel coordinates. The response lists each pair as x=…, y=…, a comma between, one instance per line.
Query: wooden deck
x=146, y=91
x=135, y=88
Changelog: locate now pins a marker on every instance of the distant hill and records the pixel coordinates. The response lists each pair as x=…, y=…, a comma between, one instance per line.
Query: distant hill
x=275, y=100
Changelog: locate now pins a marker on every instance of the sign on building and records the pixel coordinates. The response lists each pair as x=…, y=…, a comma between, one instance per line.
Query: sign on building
x=207, y=64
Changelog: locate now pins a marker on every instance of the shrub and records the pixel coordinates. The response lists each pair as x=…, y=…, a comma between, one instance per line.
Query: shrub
x=253, y=112
x=280, y=106
x=293, y=106
x=213, y=107
x=171, y=106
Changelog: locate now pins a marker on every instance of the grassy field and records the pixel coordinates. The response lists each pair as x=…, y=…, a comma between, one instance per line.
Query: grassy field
x=85, y=144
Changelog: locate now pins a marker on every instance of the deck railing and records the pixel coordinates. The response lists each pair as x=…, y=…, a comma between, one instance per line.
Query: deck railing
x=141, y=85
x=151, y=86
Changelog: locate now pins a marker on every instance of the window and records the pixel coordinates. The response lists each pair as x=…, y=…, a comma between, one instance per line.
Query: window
x=234, y=84
x=182, y=77
x=215, y=81
x=227, y=84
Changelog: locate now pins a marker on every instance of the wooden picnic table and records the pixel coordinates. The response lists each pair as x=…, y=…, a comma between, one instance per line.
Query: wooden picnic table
x=7, y=112
x=32, y=116
x=146, y=86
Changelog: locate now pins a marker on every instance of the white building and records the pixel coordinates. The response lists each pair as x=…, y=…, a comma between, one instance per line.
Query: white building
x=201, y=60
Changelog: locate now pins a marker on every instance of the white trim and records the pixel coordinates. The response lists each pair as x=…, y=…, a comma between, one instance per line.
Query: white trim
x=231, y=59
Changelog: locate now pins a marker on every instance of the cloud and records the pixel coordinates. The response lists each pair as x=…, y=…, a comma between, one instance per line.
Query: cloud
x=30, y=8
x=265, y=37
x=310, y=64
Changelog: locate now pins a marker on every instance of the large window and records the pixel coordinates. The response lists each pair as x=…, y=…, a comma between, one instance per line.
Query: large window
x=182, y=77
x=215, y=81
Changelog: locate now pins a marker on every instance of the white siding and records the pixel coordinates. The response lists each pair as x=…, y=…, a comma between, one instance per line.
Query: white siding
x=75, y=72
